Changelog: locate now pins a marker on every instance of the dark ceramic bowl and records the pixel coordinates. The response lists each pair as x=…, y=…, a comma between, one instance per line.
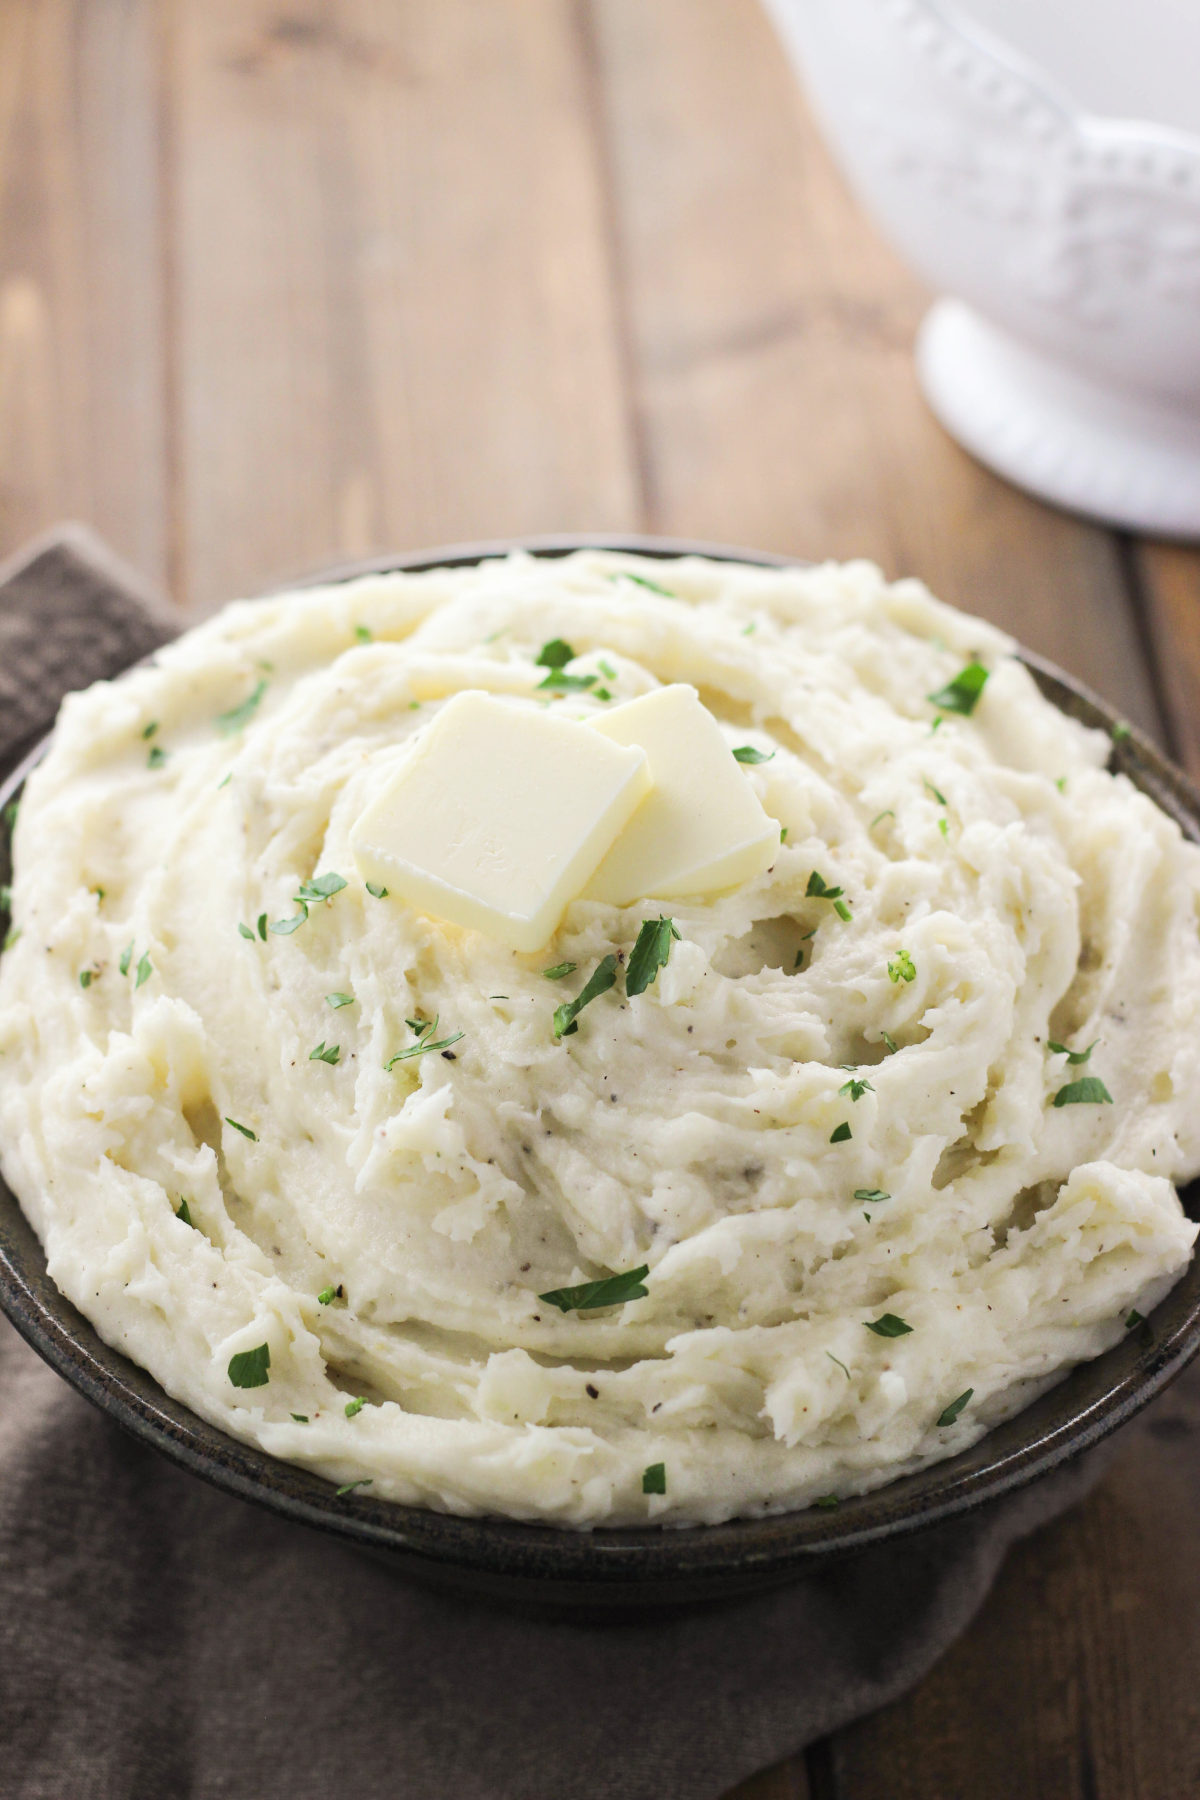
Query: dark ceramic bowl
x=649, y=1566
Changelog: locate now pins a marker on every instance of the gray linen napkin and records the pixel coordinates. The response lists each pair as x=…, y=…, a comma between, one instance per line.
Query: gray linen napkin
x=159, y=1639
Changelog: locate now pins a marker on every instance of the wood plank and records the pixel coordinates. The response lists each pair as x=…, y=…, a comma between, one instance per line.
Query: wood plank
x=395, y=308
x=81, y=318
x=771, y=335
x=1168, y=576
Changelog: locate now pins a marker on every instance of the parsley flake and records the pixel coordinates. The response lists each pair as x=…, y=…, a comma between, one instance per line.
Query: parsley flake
x=157, y=757
x=125, y=958
x=244, y=1129
x=606, y=669
x=183, y=1211
x=245, y=931
x=610, y=1290
x=650, y=953
x=248, y=1369
x=86, y=977
x=951, y=1412
x=363, y=633
x=425, y=1043
x=962, y=694
x=376, y=891
x=557, y=972
x=871, y=1195
x=818, y=888
x=328, y=1295
x=262, y=926
x=326, y=1053
x=841, y=1134
x=603, y=977
x=746, y=753
x=902, y=967
x=1074, y=1057
x=149, y=730
x=238, y=716
x=300, y=1418
x=1120, y=732
x=856, y=1088
x=643, y=581
x=554, y=655
x=145, y=969
x=564, y=683
x=827, y=1502
x=1088, y=1090
x=321, y=887
x=339, y=1000
x=355, y=1406
x=654, y=1479
x=890, y=1042
x=1134, y=1318
x=888, y=1325
x=349, y=1486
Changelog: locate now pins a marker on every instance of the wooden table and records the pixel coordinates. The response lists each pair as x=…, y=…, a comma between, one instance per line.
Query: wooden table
x=284, y=281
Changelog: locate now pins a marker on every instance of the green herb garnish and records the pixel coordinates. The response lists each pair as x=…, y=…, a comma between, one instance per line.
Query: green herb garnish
x=890, y=1042
x=654, y=1479
x=606, y=669
x=157, y=757
x=363, y=633
x=643, y=581
x=888, y=1326
x=125, y=958
x=746, y=753
x=339, y=1000
x=86, y=977
x=244, y=1129
x=827, y=1502
x=183, y=1211
x=887, y=813
x=326, y=1053
x=955, y=1407
x=871, y=1195
x=1134, y=1318
x=246, y=931
x=300, y=1418
x=902, y=967
x=321, y=887
x=425, y=1041
x=603, y=977
x=1074, y=1057
x=328, y=1295
x=285, y=927
x=376, y=892
x=856, y=1088
x=554, y=655
x=354, y=1407
x=145, y=969
x=248, y=1369
x=575, y=684
x=841, y=1134
x=938, y=796
x=841, y=1365
x=1089, y=1089
x=238, y=716
x=1120, y=732
x=349, y=1486
x=610, y=1290
x=149, y=730
x=554, y=974
x=962, y=694
x=650, y=953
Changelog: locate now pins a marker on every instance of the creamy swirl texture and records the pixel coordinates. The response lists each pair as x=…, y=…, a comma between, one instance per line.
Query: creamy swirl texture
x=807, y=1126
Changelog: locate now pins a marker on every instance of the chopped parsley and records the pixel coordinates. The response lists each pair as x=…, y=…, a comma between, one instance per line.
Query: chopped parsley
x=1089, y=1089
x=262, y=926
x=564, y=683
x=610, y=1290
x=554, y=655
x=962, y=694
x=246, y=931
x=86, y=977
x=556, y=973
x=425, y=1043
x=238, y=716
x=871, y=1195
x=819, y=889
x=890, y=1042
x=951, y=1412
x=328, y=1295
x=938, y=796
x=1134, y=1318
x=10, y=813
x=338, y=1000
x=149, y=730
x=183, y=1211
x=321, y=887
x=363, y=633
x=348, y=1487
x=1120, y=732
x=603, y=977
x=902, y=967
x=654, y=1479
x=355, y=1406
x=888, y=1325
x=326, y=1053
x=783, y=831
x=606, y=669
x=1074, y=1057
x=300, y=1418
x=841, y=1134
x=856, y=1088
x=376, y=891
x=157, y=757
x=285, y=927
x=650, y=953
x=145, y=969
x=248, y=1369
x=125, y=958
x=746, y=753
x=643, y=581
x=827, y=1502
x=244, y=1129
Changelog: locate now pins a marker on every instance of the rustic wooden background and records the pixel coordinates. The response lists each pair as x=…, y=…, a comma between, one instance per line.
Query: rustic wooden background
x=285, y=281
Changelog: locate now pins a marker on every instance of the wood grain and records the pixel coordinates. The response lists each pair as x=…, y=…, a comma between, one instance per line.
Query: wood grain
x=82, y=425
x=395, y=314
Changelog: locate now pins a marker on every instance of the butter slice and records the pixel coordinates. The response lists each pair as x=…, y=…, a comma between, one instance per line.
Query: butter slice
x=498, y=817
x=702, y=828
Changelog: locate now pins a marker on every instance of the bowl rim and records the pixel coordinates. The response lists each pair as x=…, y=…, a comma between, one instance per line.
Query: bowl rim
x=1102, y=1394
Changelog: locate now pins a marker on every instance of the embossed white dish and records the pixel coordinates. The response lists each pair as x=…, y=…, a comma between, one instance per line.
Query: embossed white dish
x=1066, y=241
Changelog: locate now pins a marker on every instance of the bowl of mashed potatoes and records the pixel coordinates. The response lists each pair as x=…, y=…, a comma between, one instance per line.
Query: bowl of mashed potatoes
x=604, y=1070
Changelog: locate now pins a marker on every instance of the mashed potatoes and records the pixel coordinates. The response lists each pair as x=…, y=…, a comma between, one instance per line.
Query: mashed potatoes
x=828, y=1127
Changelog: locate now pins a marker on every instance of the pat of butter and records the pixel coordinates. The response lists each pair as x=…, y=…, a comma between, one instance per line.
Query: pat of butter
x=498, y=816
x=702, y=827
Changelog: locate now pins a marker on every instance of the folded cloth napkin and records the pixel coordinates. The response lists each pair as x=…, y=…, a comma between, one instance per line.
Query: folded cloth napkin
x=159, y=1639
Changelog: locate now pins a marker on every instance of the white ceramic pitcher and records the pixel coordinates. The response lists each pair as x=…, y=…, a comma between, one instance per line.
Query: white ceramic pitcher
x=1038, y=162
